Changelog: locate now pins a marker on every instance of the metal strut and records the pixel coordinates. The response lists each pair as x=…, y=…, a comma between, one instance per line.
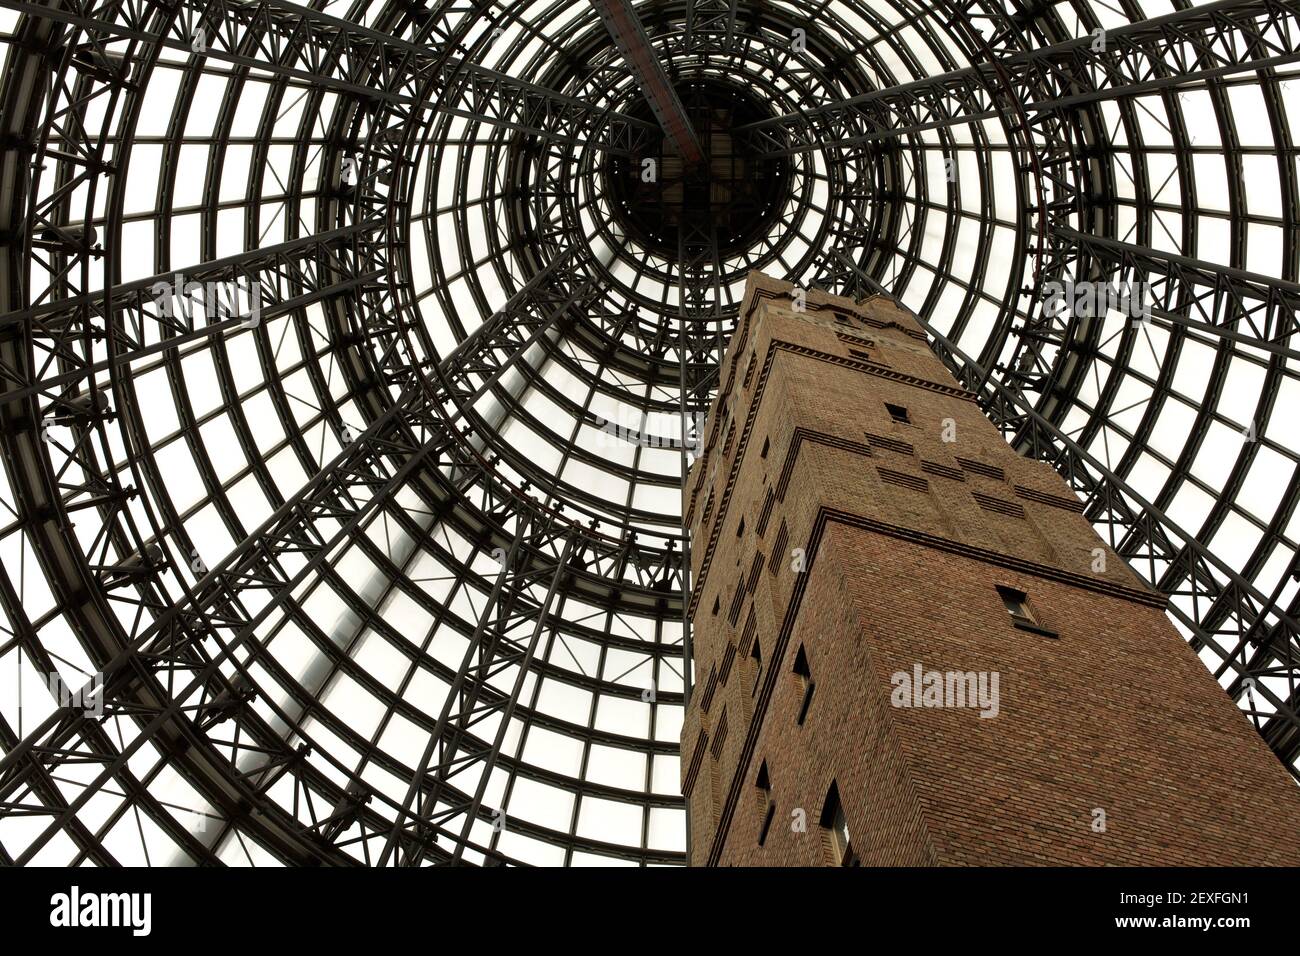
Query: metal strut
x=630, y=37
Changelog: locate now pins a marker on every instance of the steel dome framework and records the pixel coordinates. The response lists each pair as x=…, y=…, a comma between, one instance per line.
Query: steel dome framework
x=389, y=571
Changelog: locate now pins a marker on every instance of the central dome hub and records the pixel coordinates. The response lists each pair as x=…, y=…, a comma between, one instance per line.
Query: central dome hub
x=737, y=192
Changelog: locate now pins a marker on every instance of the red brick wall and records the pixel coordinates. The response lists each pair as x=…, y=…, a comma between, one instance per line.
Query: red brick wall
x=906, y=531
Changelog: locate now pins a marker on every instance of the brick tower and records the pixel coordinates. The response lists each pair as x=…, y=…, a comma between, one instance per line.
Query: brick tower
x=912, y=649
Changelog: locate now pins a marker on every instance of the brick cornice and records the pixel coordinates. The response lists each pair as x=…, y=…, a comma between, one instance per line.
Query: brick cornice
x=797, y=440
x=776, y=347
x=1138, y=595
x=871, y=368
x=882, y=371
x=1056, y=501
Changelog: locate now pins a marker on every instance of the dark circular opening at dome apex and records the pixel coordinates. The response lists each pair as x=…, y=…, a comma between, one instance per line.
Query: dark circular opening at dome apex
x=737, y=193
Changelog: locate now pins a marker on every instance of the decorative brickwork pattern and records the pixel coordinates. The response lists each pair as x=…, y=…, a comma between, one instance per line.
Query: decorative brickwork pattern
x=1070, y=723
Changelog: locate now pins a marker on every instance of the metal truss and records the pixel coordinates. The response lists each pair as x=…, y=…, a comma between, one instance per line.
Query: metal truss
x=141, y=319
x=173, y=669
x=138, y=305
x=629, y=36
x=464, y=405
x=709, y=24
x=489, y=653
x=1252, y=308
x=1198, y=43
x=309, y=46
x=196, y=658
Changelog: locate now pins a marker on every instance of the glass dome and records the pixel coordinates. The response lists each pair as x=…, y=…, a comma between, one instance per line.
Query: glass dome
x=353, y=354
